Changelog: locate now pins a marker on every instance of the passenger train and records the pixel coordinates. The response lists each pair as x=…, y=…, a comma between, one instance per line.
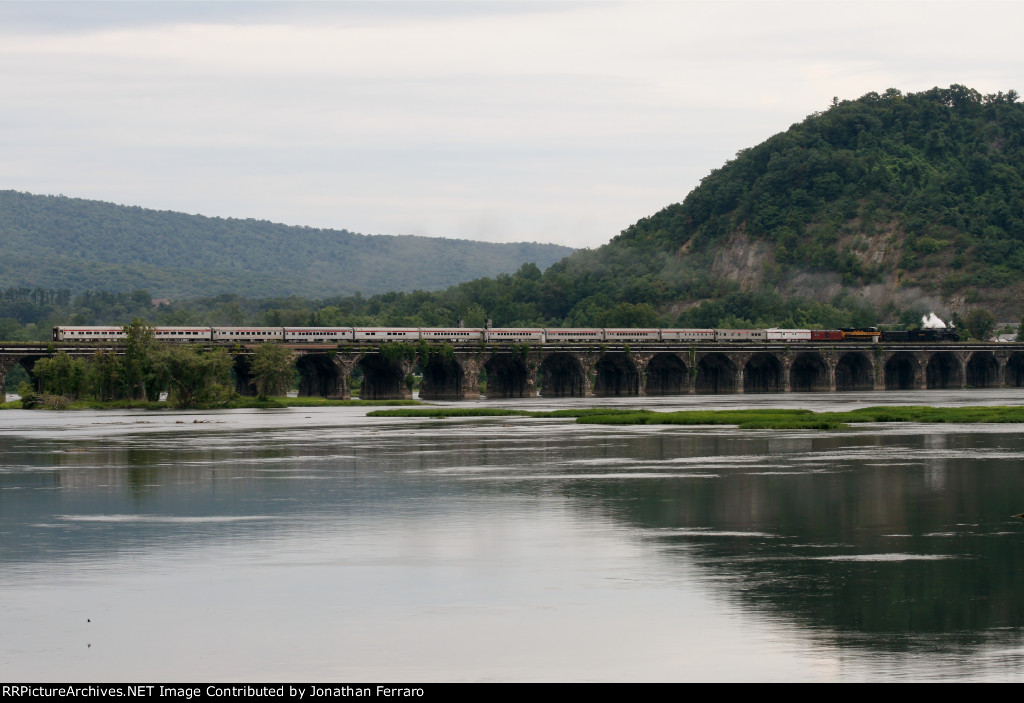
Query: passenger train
x=338, y=335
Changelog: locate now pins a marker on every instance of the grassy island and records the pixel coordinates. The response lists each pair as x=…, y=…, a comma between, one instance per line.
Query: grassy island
x=773, y=419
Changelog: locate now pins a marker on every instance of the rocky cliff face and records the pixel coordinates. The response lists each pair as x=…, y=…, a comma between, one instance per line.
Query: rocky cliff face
x=751, y=263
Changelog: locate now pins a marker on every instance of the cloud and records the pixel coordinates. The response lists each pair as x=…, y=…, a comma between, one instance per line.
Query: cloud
x=525, y=120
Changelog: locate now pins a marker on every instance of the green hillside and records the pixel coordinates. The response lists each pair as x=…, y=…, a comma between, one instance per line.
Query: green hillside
x=69, y=243
x=877, y=210
x=886, y=198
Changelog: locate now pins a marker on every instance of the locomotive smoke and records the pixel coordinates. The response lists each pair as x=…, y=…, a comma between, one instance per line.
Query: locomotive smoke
x=931, y=321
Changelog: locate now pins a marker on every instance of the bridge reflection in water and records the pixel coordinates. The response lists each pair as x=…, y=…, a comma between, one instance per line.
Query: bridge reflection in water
x=618, y=370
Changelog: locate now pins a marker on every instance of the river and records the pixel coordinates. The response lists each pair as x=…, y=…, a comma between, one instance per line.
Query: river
x=322, y=545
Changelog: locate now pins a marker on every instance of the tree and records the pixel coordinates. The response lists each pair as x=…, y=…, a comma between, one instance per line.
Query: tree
x=61, y=375
x=194, y=376
x=105, y=375
x=474, y=316
x=980, y=323
x=272, y=370
x=140, y=348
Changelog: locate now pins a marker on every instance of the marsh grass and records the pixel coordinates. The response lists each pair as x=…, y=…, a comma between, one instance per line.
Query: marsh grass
x=441, y=413
x=750, y=419
x=777, y=419
x=695, y=417
x=929, y=414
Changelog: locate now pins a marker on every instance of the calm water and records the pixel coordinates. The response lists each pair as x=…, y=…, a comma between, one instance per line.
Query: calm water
x=323, y=545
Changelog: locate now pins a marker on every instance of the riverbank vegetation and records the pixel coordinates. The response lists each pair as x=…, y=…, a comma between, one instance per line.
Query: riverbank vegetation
x=192, y=375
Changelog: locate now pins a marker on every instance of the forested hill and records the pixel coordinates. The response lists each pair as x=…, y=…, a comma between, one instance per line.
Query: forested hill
x=897, y=200
x=876, y=210
x=68, y=243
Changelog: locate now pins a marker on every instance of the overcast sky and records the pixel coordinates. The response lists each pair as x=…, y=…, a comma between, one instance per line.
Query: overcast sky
x=501, y=121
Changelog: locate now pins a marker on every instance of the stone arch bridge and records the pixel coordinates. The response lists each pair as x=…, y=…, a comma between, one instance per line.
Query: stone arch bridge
x=581, y=370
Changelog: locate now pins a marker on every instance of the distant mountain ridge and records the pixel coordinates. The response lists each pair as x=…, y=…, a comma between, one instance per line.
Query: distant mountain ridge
x=60, y=242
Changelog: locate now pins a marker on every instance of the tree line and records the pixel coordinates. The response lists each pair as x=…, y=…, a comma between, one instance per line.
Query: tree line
x=524, y=298
x=191, y=375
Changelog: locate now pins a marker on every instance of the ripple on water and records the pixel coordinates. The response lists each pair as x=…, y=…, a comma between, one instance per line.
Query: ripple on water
x=167, y=519
x=704, y=532
x=548, y=477
x=891, y=556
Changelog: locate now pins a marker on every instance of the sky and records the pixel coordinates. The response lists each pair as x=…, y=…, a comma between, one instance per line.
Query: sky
x=561, y=122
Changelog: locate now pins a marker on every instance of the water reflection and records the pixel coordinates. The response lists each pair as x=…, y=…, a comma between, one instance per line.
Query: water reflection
x=318, y=544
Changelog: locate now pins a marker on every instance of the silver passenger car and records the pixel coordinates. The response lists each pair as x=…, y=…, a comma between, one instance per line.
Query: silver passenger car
x=248, y=334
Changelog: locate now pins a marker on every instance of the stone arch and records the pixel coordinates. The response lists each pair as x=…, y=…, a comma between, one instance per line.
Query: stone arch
x=666, y=374
x=944, y=371
x=318, y=376
x=983, y=370
x=563, y=376
x=28, y=363
x=383, y=379
x=902, y=372
x=1014, y=374
x=763, y=373
x=854, y=372
x=716, y=373
x=616, y=375
x=507, y=376
x=808, y=372
x=443, y=378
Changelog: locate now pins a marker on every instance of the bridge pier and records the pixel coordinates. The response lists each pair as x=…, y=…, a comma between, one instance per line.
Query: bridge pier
x=1013, y=370
x=879, y=369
